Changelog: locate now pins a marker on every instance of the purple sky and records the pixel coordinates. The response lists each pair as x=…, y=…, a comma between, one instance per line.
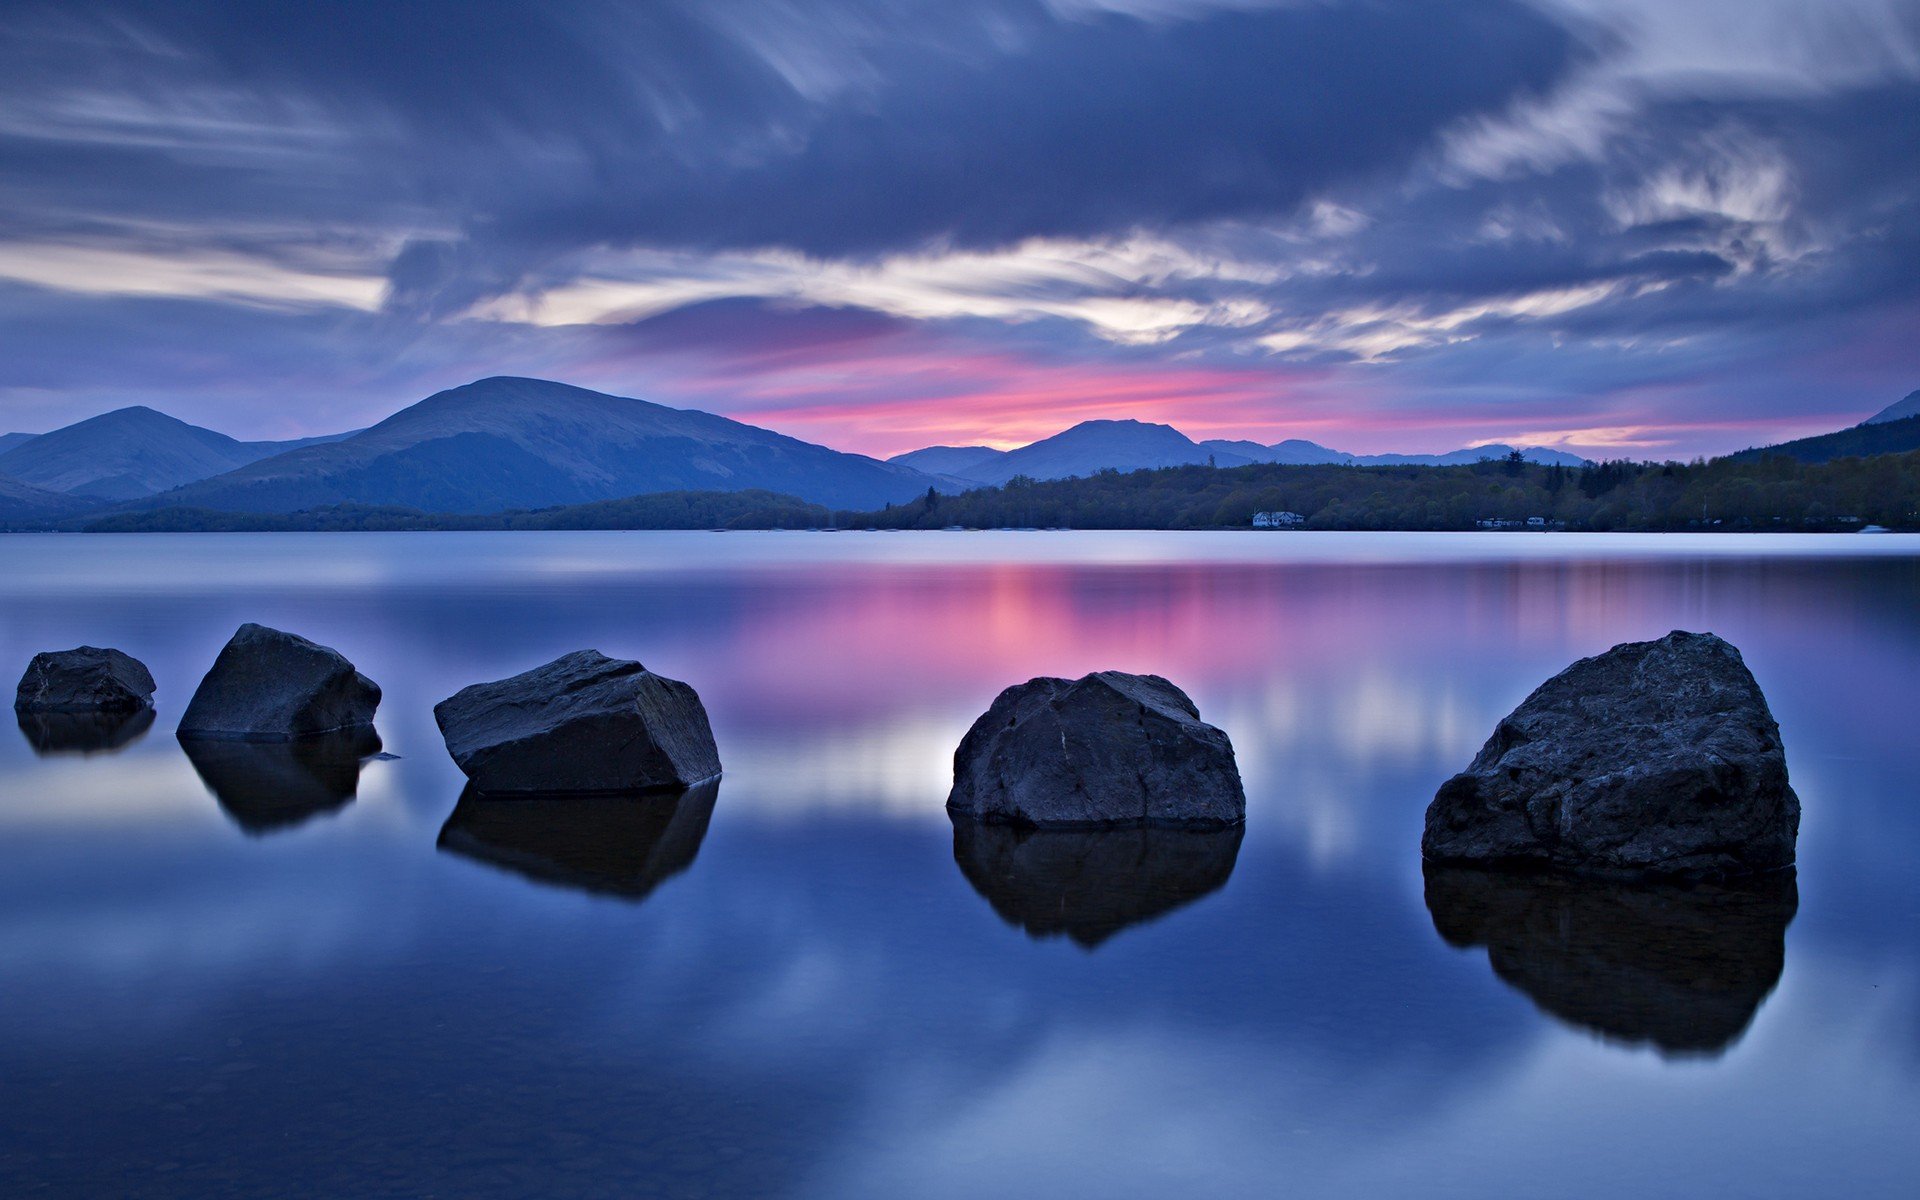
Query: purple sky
x=1635, y=227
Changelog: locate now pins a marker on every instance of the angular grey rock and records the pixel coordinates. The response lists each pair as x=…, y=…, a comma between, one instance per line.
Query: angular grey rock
x=269, y=686
x=1655, y=758
x=85, y=679
x=1107, y=749
x=581, y=723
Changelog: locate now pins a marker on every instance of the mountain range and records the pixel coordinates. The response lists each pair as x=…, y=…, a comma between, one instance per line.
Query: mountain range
x=513, y=443
x=1132, y=445
x=130, y=452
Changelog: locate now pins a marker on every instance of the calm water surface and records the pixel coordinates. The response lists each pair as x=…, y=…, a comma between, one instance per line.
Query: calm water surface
x=308, y=976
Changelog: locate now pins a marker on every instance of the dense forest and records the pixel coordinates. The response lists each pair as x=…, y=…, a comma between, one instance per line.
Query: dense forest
x=1772, y=493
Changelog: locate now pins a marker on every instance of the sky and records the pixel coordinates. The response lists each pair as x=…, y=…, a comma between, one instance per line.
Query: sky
x=1645, y=228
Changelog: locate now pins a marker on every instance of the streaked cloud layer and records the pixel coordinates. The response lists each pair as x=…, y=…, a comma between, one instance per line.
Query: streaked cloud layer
x=1390, y=224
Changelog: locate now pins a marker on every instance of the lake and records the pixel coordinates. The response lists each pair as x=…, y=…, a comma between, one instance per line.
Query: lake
x=291, y=977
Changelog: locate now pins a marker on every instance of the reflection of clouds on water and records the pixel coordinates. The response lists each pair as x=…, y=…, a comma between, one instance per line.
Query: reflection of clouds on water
x=821, y=990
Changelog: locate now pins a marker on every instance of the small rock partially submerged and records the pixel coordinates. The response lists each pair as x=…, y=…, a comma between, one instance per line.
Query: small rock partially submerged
x=1090, y=884
x=86, y=679
x=271, y=686
x=581, y=723
x=1654, y=758
x=1107, y=749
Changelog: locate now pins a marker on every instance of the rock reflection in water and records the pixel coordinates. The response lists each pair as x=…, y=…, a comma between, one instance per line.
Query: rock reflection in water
x=1089, y=884
x=83, y=733
x=268, y=786
x=1683, y=967
x=622, y=845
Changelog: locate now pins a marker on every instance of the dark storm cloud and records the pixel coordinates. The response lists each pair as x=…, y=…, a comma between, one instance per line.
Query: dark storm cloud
x=531, y=130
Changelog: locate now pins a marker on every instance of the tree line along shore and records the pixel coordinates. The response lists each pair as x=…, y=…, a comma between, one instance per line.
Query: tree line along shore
x=1761, y=493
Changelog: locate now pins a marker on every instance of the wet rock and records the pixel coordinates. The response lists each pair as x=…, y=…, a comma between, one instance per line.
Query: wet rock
x=269, y=786
x=273, y=686
x=1655, y=758
x=1682, y=966
x=1090, y=884
x=86, y=679
x=581, y=723
x=83, y=732
x=1106, y=749
x=621, y=845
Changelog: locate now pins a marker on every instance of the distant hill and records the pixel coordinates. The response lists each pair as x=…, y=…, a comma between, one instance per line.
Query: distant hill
x=9, y=440
x=22, y=504
x=509, y=442
x=1896, y=436
x=1093, y=446
x=947, y=460
x=1292, y=451
x=129, y=453
x=1909, y=407
x=1472, y=454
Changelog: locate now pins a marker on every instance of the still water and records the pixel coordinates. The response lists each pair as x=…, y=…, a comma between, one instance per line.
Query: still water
x=315, y=976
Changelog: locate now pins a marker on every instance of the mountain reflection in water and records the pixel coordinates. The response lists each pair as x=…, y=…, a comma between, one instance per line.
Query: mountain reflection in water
x=616, y=845
x=1090, y=884
x=1681, y=966
x=270, y=786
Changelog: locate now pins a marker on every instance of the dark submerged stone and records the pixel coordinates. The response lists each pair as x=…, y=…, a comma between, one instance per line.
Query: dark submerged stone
x=1103, y=750
x=1090, y=884
x=86, y=679
x=581, y=723
x=83, y=732
x=1654, y=758
x=620, y=845
x=1682, y=965
x=269, y=786
x=268, y=685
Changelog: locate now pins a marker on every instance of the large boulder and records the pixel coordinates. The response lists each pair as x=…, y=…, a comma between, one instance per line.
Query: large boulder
x=86, y=679
x=581, y=723
x=270, y=686
x=1106, y=749
x=1655, y=758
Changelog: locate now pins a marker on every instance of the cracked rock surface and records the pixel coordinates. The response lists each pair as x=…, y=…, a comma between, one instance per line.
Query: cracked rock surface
x=1654, y=758
x=1106, y=749
x=581, y=723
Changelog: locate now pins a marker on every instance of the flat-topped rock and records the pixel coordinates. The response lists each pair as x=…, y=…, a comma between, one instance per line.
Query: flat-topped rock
x=1654, y=758
x=268, y=685
x=581, y=723
x=1108, y=749
x=85, y=679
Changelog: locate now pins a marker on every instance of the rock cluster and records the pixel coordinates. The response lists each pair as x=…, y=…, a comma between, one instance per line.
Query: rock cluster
x=267, y=685
x=86, y=679
x=581, y=723
x=1107, y=749
x=1654, y=758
